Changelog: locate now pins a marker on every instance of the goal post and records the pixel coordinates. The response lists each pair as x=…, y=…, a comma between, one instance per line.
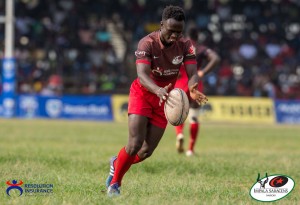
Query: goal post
x=9, y=63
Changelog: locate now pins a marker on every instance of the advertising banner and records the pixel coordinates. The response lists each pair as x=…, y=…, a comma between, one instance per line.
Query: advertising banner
x=66, y=107
x=76, y=107
x=231, y=109
x=287, y=111
x=120, y=107
x=28, y=106
x=114, y=108
x=8, y=87
x=239, y=109
x=1, y=107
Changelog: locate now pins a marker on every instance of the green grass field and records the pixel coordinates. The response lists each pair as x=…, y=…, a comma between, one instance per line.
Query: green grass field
x=74, y=155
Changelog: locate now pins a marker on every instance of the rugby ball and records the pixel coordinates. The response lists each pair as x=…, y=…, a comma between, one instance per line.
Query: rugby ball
x=176, y=107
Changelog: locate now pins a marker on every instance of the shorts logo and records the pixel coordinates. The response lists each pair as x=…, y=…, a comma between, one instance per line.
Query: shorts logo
x=271, y=188
x=177, y=60
x=14, y=185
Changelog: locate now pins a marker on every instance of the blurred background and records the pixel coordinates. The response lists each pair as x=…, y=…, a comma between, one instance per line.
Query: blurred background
x=74, y=60
x=87, y=46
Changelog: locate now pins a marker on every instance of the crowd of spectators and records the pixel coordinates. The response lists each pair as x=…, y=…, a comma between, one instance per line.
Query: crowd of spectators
x=70, y=41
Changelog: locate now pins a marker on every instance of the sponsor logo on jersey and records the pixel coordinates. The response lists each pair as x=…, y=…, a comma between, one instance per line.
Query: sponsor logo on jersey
x=140, y=54
x=177, y=60
x=157, y=71
x=192, y=51
x=171, y=72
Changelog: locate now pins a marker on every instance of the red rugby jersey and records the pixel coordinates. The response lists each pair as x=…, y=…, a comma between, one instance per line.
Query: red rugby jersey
x=164, y=61
x=201, y=56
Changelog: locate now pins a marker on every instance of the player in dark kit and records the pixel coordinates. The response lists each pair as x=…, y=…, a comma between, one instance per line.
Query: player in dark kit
x=207, y=59
x=158, y=58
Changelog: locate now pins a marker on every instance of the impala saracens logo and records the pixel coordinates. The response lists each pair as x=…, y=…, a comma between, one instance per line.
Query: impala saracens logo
x=271, y=188
x=177, y=60
x=14, y=185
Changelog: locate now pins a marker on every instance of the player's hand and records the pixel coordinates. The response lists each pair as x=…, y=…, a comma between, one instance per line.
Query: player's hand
x=200, y=73
x=196, y=95
x=162, y=93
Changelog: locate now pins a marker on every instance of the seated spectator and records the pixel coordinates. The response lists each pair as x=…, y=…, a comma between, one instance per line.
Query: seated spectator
x=54, y=86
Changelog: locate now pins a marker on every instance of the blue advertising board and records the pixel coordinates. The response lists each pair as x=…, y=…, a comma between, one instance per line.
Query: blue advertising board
x=1, y=107
x=287, y=111
x=66, y=107
x=8, y=87
x=100, y=108
x=27, y=106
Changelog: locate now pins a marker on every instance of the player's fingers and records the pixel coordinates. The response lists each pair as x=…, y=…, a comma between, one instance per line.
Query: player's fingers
x=171, y=102
x=168, y=86
x=199, y=102
x=162, y=99
x=202, y=101
x=201, y=95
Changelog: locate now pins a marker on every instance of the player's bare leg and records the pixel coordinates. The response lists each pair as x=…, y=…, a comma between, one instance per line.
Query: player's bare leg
x=137, y=133
x=143, y=139
x=153, y=137
x=138, y=126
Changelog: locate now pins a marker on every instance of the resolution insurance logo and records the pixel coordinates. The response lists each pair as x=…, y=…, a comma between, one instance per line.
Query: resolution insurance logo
x=14, y=185
x=28, y=189
x=271, y=188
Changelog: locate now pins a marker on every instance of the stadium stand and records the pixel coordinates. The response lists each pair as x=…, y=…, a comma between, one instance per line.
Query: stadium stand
x=91, y=44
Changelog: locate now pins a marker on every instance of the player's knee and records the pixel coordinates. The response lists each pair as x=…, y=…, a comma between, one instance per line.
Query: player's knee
x=146, y=154
x=133, y=148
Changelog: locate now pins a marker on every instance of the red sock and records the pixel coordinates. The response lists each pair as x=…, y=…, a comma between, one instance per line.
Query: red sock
x=193, y=135
x=122, y=164
x=137, y=159
x=179, y=129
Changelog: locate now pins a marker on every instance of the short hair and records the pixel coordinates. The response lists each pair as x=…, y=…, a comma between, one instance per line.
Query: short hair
x=174, y=12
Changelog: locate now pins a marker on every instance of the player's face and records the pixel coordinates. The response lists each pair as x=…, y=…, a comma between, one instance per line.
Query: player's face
x=171, y=31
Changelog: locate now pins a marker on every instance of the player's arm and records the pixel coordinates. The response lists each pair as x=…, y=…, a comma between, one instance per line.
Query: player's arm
x=191, y=70
x=213, y=59
x=144, y=72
